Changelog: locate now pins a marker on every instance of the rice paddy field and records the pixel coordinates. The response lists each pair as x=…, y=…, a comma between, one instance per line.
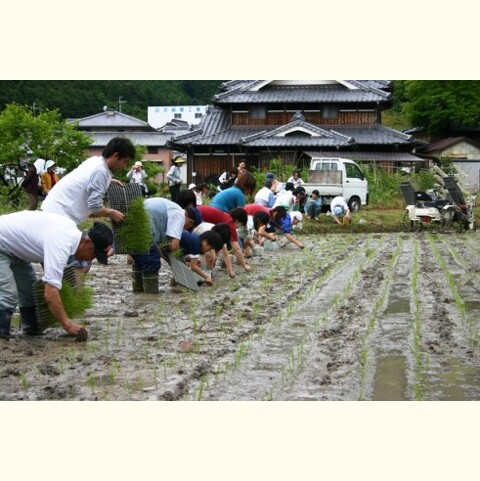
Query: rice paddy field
x=352, y=317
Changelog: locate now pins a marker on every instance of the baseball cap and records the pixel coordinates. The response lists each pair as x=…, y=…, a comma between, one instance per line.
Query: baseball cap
x=195, y=215
x=102, y=237
x=337, y=210
x=270, y=175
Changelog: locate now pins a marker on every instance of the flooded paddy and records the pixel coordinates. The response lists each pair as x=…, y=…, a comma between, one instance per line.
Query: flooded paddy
x=351, y=317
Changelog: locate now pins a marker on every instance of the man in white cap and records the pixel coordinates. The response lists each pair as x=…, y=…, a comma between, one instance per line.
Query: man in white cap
x=137, y=175
x=338, y=207
x=174, y=177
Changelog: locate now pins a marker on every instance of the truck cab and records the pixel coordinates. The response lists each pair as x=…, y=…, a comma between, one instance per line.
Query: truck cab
x=338, y=176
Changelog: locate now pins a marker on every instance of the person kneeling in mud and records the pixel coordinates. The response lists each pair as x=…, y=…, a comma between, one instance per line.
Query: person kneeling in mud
x=167, y=222
x=193, y=245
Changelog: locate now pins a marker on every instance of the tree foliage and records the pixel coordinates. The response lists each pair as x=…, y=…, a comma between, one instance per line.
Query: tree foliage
x=25, y=138
x=440, y=106
x=80, y=98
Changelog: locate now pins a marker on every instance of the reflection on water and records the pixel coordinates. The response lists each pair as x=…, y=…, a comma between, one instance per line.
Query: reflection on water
x=390, y=379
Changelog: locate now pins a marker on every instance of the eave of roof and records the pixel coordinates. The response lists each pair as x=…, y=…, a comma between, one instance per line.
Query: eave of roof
x=146, y=139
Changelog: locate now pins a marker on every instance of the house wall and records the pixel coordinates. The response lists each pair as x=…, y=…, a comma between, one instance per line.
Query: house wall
x=463, y=150
x=282, y=118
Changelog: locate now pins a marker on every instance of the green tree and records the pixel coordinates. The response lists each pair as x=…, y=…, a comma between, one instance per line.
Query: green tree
x=440, y=105
x=25, y=137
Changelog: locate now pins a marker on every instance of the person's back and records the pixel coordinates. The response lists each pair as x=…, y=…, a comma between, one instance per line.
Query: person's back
x=285, y=197
x=71, y=193
x=228, y=199
x=265, y=196
x=167, y=218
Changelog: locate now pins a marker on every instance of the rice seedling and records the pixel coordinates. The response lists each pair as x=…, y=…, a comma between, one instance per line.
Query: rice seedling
x=92, y=382
x=240, y=354
x=24, y=382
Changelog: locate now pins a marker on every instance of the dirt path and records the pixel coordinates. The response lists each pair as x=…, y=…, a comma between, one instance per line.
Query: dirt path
x=353, y=317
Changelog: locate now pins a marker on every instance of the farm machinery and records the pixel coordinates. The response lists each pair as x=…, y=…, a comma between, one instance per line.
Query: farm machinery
x=444, y=206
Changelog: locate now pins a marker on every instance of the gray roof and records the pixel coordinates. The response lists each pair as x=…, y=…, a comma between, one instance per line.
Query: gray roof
x=372, y=156
x=146, y=139
x=111, y=119
x=260, y=91
x=215, y=130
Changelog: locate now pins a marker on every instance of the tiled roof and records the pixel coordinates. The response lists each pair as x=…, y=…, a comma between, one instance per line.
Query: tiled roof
x=295, y=133
x=371, y=156
x=215, y=130
x=111, y=119
x=147, y=139
x=260, y=91
x=448, y=142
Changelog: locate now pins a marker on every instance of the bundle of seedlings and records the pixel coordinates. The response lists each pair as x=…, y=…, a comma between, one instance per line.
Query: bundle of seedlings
x=76, y=299
x=132, y=236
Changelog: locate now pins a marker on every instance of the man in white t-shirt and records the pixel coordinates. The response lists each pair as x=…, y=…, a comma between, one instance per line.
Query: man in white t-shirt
x=80, y=193
x=43, y=237
x=265, y=195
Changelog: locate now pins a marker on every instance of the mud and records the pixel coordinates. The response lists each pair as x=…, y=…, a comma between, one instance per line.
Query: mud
x=351, y=317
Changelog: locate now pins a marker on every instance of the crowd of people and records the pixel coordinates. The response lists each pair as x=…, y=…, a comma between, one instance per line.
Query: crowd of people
x=203, y=231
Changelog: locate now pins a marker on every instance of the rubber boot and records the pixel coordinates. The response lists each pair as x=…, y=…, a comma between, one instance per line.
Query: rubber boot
x=5, y=320
x=150, y=283
x=137, y=279
x=30, y=324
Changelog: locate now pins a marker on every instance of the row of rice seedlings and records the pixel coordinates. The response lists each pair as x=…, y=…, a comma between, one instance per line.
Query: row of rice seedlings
x=459, y=302
x=378, y=308
x=295, y=359
x=416, y=328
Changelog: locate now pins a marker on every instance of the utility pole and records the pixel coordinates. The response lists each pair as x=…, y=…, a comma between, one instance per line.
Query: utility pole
x=35, y=108
x=120, y=102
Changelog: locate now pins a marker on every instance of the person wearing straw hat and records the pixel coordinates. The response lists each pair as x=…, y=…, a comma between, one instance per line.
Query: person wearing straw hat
x=43, y=237
x=49, y=177
x=174, y=178
x=136, y=175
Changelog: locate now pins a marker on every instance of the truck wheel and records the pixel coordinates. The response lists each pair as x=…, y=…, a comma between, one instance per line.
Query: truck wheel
x=354, y=204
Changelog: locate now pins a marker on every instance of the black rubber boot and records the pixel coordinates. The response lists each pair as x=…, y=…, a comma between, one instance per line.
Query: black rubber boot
x=30, y=324
x=150, y=283
x=137, y=279
x=5, y=320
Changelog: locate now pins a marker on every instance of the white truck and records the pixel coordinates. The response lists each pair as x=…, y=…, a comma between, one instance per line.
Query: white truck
x=337, y=176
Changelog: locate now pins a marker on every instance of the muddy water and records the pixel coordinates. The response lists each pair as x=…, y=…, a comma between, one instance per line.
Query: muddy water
x=351, y=317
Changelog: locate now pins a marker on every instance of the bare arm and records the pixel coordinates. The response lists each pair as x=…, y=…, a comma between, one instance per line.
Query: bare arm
x=228, y=262
x=54, y=302
x=196, y=268
x=291, y=238
x=239, y=255
x=113, y=214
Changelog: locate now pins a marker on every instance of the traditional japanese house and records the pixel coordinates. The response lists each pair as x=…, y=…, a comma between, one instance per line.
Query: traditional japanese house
x=291, y=120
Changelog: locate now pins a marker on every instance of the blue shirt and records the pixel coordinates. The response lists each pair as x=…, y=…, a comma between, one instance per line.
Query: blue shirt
x=190, y=244
x=229, y=199
x=285, y=225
